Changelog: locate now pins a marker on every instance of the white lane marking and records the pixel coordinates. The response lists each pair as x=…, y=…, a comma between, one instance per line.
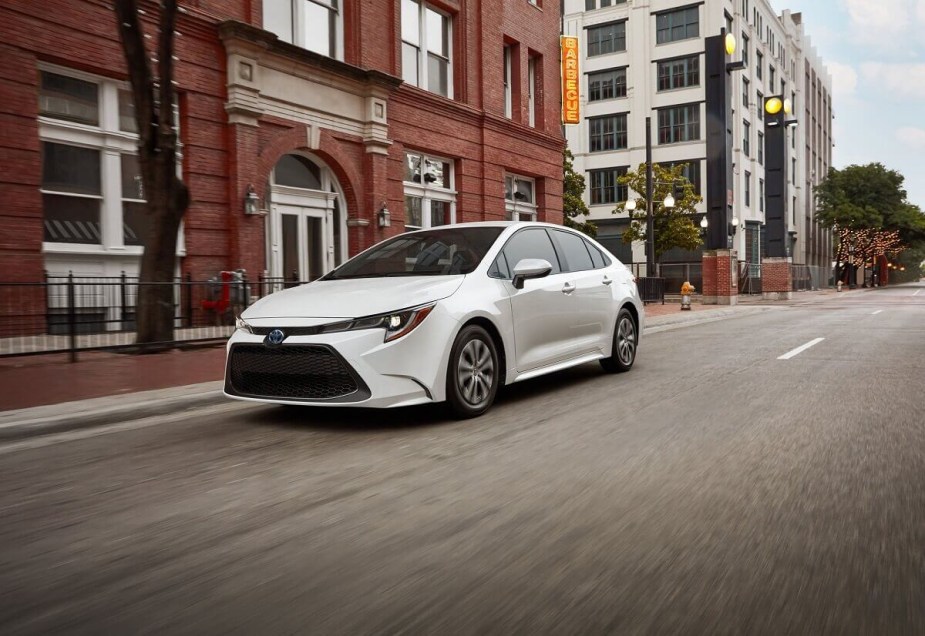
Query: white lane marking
x=800, y=349
x=916, y=292
x=876, y=312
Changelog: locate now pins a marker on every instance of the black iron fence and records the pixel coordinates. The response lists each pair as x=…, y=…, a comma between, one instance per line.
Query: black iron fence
x=651, y=289
x=76, y=313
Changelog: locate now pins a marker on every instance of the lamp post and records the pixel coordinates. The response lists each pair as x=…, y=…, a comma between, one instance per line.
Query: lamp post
x=650, y=220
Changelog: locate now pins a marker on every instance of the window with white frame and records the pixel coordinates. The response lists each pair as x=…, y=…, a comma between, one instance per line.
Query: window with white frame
x=92, y=192
x=507, y=81
x=426, y=36
x=520, y=197
x=430, y=195
x=316, y=25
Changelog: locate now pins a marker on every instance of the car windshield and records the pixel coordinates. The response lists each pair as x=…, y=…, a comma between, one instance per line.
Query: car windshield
x=439, y=252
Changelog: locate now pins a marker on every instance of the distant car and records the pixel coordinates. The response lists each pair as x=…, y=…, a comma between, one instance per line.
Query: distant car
x=446, y=314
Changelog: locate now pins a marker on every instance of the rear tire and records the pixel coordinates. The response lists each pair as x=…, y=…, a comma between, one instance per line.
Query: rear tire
x=472, y=374
x=625, y=341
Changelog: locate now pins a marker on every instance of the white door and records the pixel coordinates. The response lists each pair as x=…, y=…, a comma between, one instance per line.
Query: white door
x=302, y=247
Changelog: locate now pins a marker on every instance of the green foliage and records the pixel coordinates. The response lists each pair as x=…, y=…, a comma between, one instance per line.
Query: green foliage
x=674, y=227
x=573, y=206
x=868, y=200
x=860, y=197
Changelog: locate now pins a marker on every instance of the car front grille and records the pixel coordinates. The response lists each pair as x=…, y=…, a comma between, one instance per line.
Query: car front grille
x=292, y=372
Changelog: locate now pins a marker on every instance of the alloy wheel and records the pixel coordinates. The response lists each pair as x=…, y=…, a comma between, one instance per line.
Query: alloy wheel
x=475, y=372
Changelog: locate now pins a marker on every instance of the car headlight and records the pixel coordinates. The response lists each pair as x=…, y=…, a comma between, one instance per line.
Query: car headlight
x=240, y=323
x=396, y=323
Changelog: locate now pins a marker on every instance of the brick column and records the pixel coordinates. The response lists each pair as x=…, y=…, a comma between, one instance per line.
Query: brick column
x=776, y=283
x=720, y=277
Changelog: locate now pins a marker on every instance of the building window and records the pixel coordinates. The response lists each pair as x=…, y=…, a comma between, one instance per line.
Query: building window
x=607, y=38
x=606, y=85
x=772, y=77
x=748, y=189
x=761, y=195
x=531, y=91
x=745, y=49
x=607, y=133
x=519, y=197
x=679, y=24
x=91, y=187
x=746, y=138
x=690, y=171
x=591, y=5
x=760, y=108
x=430, y=197
x=604, y=186
x=793, y=170
x=679, y=123
x=745, y=92
x=760, y=147
x=507, y=81
x=680, y=73
x=430, y=66
x=759, y=63
x=315, y=25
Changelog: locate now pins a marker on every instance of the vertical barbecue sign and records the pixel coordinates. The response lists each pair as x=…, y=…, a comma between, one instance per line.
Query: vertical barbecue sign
x=570, y=108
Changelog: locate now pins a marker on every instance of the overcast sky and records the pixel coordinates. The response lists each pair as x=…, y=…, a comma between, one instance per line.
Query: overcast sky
x=875, y=53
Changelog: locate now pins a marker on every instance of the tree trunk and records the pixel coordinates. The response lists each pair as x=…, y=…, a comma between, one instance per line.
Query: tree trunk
x=166, y=195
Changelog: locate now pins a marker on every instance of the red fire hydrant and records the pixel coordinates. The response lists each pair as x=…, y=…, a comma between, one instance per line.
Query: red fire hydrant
x=686, y=290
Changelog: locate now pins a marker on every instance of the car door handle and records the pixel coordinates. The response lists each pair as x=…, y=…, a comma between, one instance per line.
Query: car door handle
x=607, y=280
x=568, y=288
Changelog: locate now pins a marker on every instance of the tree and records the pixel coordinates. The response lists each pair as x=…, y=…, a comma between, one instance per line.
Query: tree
x=167, y=196
x=866, y=207
x=674, y=227
x=573, y=206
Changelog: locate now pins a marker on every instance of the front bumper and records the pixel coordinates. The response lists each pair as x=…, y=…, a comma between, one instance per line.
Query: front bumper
x=354, y=368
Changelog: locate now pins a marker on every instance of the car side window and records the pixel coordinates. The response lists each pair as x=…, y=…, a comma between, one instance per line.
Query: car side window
x=572, y=247
x=500, y=269
x=596, y=256
x=530, y=243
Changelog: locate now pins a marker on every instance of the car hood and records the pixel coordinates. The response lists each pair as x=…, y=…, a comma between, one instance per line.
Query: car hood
x=353, y=298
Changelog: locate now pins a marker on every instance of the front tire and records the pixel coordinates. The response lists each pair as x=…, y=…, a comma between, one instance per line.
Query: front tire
x=625, y=341
x=473, y=373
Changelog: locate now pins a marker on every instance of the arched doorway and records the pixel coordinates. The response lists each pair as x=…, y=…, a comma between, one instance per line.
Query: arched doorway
x=306, y=228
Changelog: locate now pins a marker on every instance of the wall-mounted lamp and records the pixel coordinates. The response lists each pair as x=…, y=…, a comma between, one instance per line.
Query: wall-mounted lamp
x=251, y=200
x=383, y=216
x=703, y=226
x=734, y=225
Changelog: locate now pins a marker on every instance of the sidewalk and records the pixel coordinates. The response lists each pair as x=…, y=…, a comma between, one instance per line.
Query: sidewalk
x=43, y=393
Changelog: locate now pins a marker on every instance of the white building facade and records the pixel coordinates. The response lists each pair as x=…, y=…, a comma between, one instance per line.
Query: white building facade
x=645, y=58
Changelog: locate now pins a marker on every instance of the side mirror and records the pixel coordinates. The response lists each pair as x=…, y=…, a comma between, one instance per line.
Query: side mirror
x=530, y=268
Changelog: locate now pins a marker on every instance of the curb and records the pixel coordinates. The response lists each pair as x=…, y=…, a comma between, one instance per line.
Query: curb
x=68, y=416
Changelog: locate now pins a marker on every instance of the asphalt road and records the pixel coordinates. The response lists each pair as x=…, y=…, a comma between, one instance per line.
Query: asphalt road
x=715, y=489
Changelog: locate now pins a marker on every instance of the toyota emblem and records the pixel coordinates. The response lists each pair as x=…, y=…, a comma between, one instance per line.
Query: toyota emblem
x=276, y=337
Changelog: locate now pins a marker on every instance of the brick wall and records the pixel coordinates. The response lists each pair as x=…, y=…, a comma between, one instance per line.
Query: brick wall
x=720, y=277
x=221, y=160
x=776, y=281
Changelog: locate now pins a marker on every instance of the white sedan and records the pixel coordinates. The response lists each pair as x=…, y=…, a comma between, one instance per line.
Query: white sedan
x=447, y=314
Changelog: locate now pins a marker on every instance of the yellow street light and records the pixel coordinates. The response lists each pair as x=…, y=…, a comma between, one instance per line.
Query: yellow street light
x=730, y=44
x=773, y=105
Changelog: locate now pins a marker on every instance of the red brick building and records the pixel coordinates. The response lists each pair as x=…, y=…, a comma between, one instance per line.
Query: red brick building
x=345, y=122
